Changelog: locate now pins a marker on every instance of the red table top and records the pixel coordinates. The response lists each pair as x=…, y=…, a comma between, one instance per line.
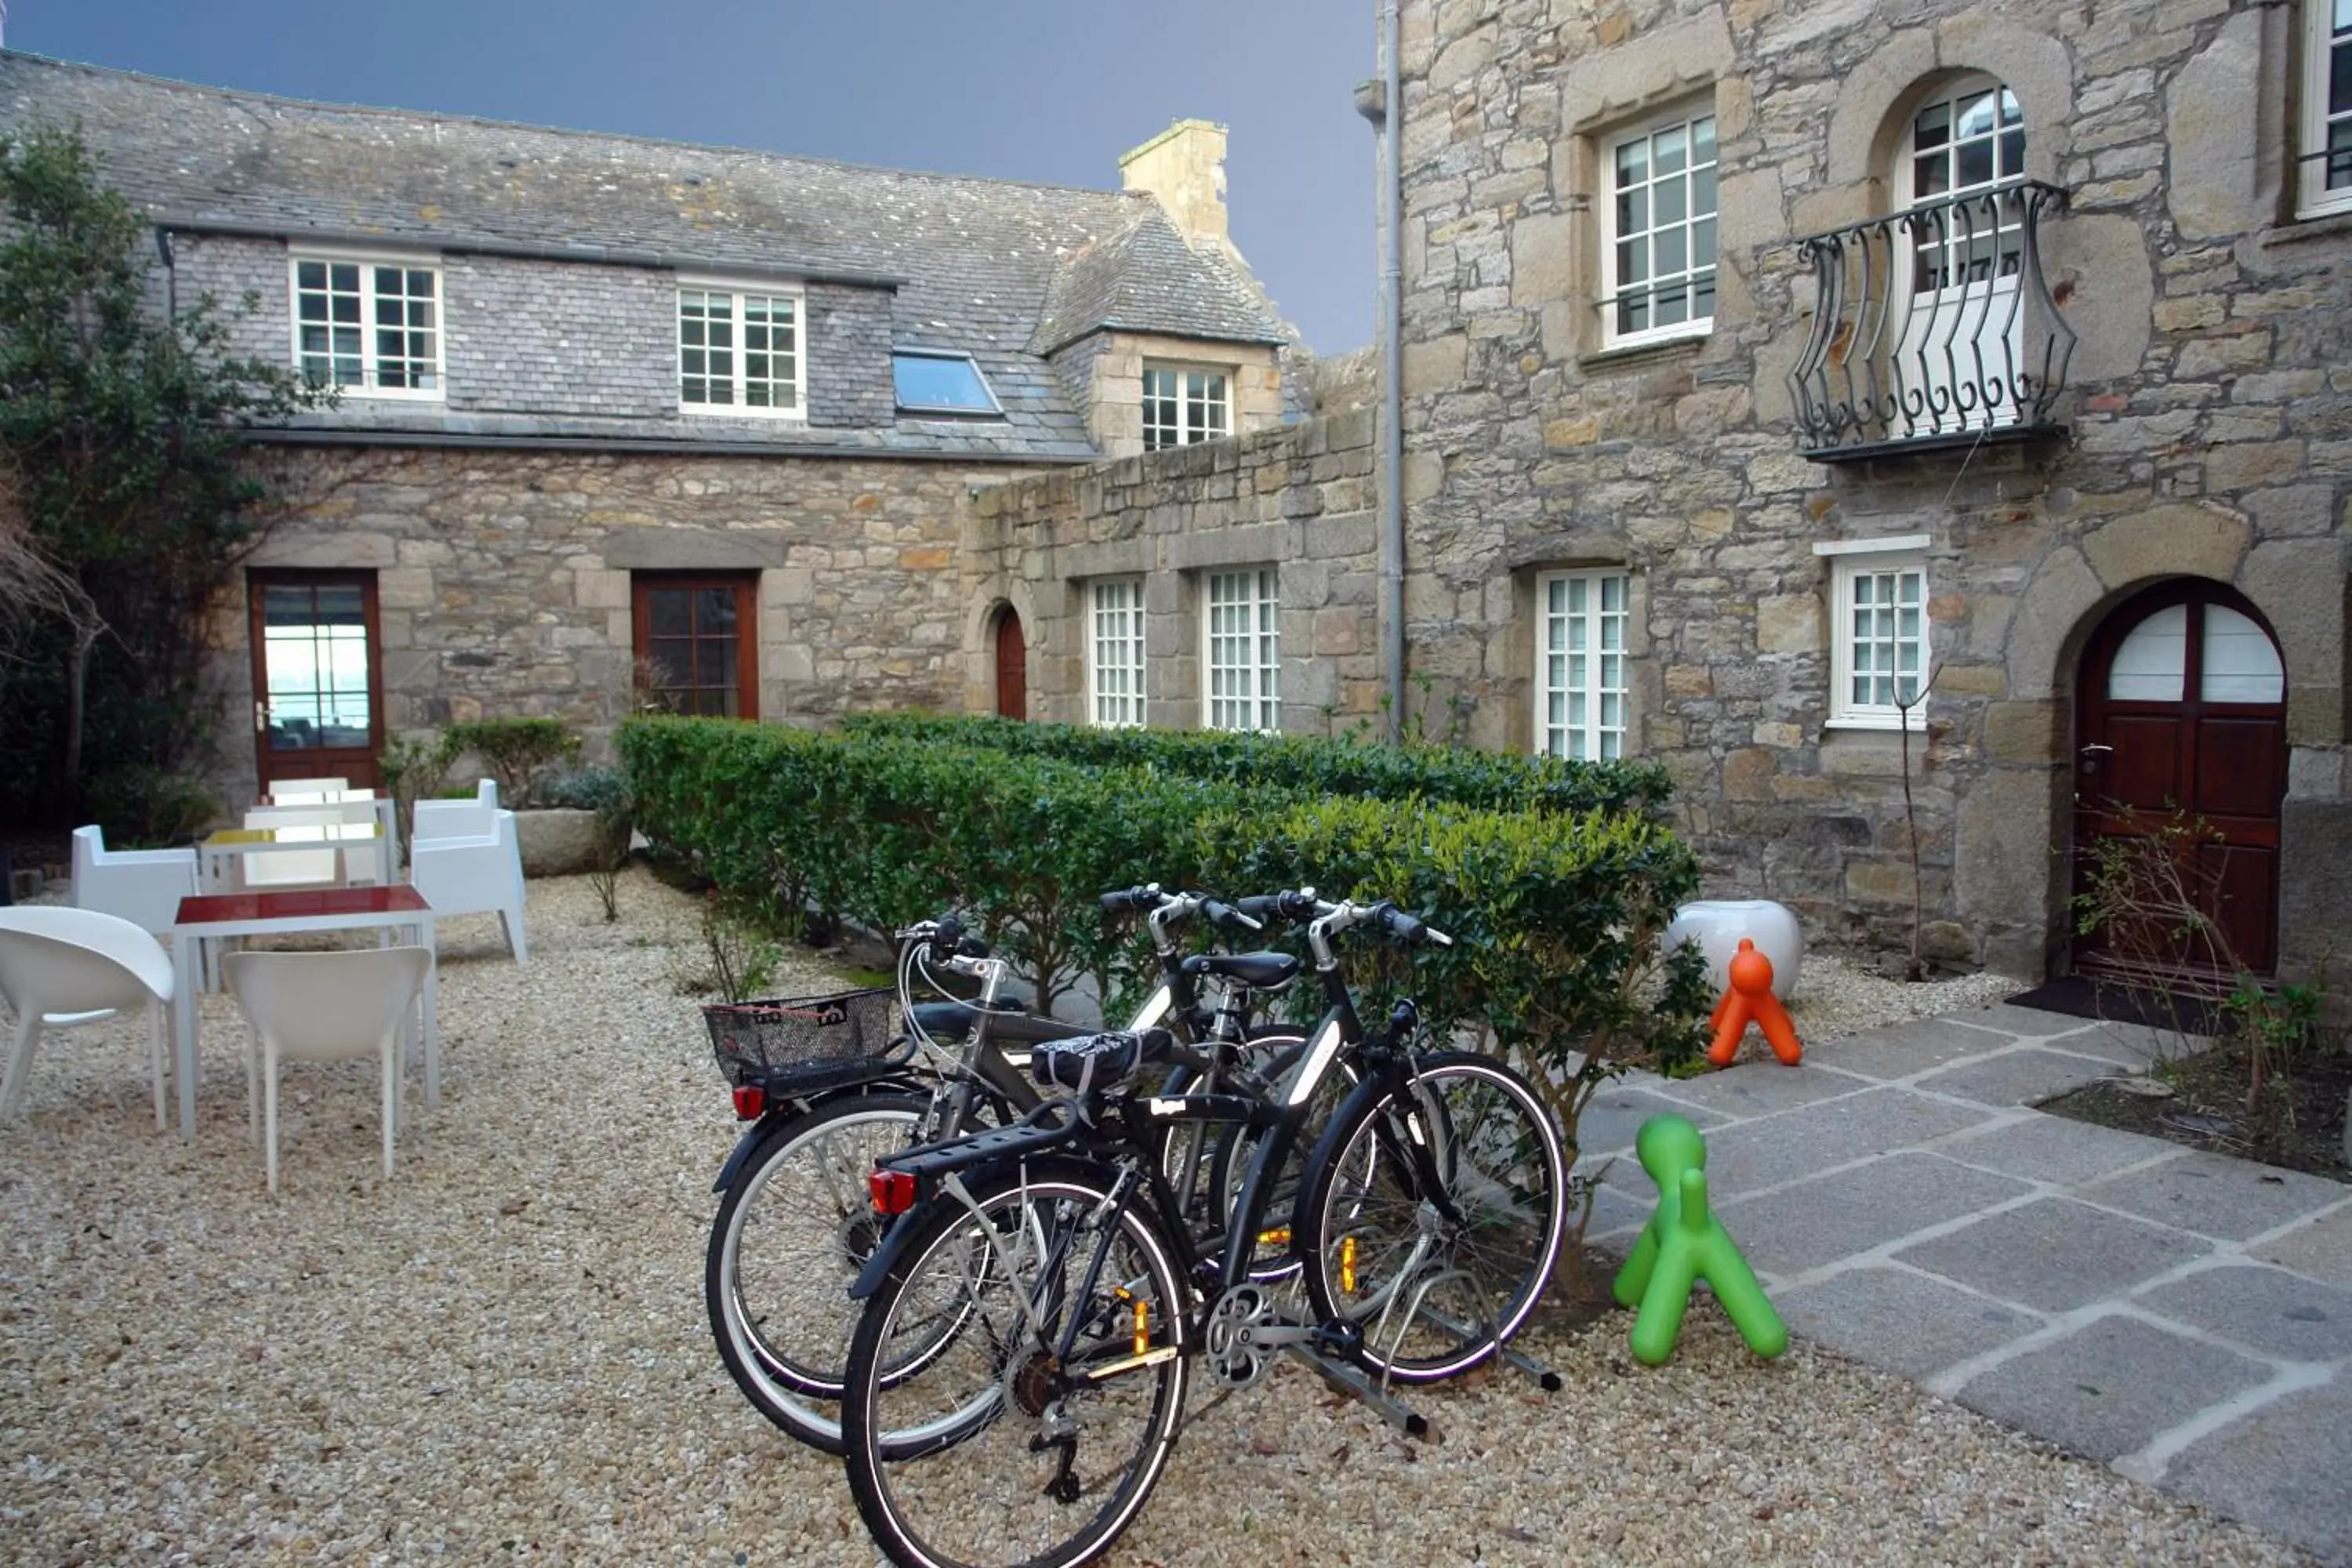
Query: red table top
x=398, y=898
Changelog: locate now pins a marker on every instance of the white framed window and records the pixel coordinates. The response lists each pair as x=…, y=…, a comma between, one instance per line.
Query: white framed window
x=2325, y=158
x=1242, y=617
x=369, y=326
x=1878, y=632
x=1115, y=652
x=1580, y=685
x=739, y=350
x=1184, y=404
x=1658, y=232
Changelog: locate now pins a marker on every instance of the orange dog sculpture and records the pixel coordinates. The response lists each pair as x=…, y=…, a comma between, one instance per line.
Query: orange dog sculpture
x=1751, y=997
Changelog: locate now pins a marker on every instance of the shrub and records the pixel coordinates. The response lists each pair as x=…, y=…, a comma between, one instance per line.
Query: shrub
x=142, y=806
x=606, y=792
x=413, y=768
x=516, y=753
x=1492, y=780
x=1560, y=915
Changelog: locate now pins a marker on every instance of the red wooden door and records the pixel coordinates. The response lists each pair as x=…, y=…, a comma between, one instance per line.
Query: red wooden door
x=1012, y=666
x=318, y=681
x=2183, y=732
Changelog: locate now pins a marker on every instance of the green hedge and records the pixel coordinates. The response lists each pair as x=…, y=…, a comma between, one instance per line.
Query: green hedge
x=1558, y=914
x=1455, y=775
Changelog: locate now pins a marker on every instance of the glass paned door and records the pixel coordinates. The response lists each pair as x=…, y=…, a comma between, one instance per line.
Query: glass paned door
x=318, y=708
x=1962, y=341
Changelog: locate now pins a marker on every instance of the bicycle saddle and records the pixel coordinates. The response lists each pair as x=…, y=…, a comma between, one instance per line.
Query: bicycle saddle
x=1098, y=1061
x=1262, y=971
x=952, y=1020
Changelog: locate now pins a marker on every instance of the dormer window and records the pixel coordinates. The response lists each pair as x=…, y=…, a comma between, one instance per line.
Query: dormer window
x=1184, y=404
x=368, y=327
x=933, y=383
x=739, y=350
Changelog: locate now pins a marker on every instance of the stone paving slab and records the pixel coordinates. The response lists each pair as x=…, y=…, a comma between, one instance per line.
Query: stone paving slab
x=1803, y=1227
x=2064, y=1153
x=1904, y=1321
x=1769, y=1087
x=2030, y=1023
x=2055, y=1255
x=2112, y=1386
x=2216, y=1195
x=2134, y=1046
x=2016, y=1077
x=1746, y=1158
x=2323, y=1250
x=1614, y=1114
x=2273, y=1312
x=1905, y=1049
x=2280, y=1469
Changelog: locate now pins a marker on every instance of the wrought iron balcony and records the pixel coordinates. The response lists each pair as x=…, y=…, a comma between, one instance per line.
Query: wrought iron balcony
x=1933, y=327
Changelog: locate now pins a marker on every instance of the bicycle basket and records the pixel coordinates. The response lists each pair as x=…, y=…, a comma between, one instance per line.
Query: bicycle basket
x=789, y=1040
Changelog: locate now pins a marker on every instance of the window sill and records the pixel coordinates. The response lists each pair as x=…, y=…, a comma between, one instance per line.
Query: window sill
x=389, y=394
x=726, y=411
x=2322, y=223
x=1872, y=724
x=1615, y=354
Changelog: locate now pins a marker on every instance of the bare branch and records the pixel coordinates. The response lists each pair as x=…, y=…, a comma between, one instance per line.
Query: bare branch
x=33, y=587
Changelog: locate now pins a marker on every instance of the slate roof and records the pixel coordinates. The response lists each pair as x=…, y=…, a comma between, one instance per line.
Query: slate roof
x=995, y=268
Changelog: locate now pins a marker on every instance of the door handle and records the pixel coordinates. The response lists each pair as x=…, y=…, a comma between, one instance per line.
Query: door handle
x=260, y=716
x=2094, y=750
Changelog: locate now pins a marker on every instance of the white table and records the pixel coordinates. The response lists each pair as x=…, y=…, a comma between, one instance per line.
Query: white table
x=217, y=855
x=399, y=909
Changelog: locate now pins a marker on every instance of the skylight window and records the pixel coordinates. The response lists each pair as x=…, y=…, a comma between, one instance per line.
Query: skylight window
x=940, y=383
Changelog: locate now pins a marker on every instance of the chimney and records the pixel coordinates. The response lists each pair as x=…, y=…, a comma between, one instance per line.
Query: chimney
x=1184, y=167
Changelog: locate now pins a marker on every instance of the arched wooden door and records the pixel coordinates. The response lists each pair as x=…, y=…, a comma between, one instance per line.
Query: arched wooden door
x=1012, y=665
x=2181, y=724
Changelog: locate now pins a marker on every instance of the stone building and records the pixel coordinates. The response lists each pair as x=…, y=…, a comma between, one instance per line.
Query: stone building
x=1783, y=353
x=619, y=414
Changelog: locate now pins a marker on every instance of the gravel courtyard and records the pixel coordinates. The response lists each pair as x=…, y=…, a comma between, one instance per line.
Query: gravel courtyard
x=501, y=1354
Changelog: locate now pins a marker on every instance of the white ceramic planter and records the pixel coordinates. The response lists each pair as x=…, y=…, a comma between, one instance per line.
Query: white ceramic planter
x=1718, y=924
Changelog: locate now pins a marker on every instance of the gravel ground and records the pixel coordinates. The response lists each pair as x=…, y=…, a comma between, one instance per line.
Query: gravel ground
x=501, y=1353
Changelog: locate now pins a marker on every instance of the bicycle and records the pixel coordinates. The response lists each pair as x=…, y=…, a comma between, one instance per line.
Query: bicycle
x=793, y=1225
x=1040, y=1299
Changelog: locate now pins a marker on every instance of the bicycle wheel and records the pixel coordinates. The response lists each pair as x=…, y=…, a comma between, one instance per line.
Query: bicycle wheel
x=1432, y=1216
x=998, y=1409
x=790, y=1237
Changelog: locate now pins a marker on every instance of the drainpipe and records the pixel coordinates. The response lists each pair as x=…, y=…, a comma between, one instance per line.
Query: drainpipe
x=1385, y=109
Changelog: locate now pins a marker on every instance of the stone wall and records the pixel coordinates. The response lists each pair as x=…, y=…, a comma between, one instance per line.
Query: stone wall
x=2210, y=414
x=1297, y=498
x=1105, y=373
x=503, y=578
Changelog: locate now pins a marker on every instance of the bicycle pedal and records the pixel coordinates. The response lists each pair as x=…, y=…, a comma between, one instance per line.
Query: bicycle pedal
x=1341, y=1337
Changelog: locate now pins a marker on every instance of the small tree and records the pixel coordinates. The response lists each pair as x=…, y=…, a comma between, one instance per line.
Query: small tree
x=125, y=426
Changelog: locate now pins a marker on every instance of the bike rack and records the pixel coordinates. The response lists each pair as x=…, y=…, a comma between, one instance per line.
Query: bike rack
x=1351, y=1382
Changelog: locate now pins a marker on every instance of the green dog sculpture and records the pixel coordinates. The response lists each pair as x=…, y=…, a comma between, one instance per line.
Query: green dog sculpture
x=1684, y=1244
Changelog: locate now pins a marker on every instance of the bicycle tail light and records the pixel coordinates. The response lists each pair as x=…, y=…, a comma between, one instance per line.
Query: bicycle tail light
x=751, y=1100
x=893, y=1191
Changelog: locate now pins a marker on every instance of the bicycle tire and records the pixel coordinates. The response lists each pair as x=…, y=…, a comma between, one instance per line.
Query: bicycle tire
x=955, y=1448
x=776, y=1278
x=1374, y=1245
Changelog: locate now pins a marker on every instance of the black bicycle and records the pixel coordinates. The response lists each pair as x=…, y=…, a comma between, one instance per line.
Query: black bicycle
x=793, y=1224
x=1018, y=1374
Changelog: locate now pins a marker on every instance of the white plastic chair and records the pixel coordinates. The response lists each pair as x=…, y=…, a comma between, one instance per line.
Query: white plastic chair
x=323, y=1006
x=60, y=967
x=470, y=872
x=141, y=886
x=283, y=790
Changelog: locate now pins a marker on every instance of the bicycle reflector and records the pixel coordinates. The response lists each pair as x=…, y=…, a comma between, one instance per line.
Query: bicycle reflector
x=893, y=1191
x=750, y=1100
x=1142, y=1329
x=1347, y=1265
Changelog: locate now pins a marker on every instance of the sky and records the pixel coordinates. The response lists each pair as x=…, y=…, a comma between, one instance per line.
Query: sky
x=1045, y=90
